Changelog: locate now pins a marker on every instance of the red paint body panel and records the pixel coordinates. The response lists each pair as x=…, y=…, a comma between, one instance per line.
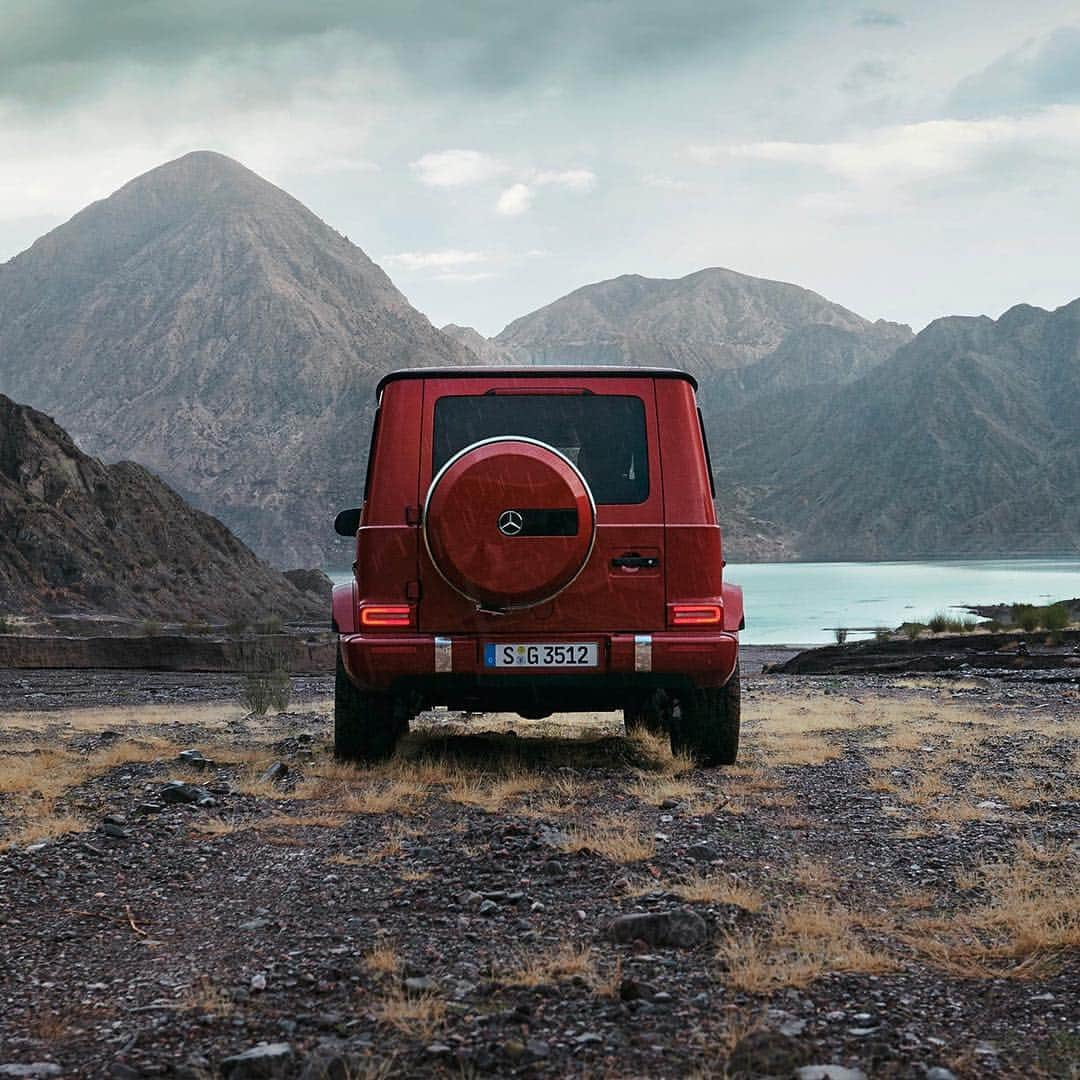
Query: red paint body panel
x=378, y=662
x=672, y=535
x=603, y=597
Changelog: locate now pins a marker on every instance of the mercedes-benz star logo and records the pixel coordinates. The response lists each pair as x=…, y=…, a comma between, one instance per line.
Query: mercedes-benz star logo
x=511, y=522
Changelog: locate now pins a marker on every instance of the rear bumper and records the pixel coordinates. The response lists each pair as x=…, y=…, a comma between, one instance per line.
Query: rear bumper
x=451, y=671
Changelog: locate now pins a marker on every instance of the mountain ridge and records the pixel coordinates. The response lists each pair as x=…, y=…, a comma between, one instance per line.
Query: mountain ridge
x=81, y=536
x=234, y=340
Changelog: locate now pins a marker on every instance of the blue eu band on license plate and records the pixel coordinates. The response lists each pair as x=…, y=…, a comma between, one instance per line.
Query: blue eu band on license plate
x=541, y=654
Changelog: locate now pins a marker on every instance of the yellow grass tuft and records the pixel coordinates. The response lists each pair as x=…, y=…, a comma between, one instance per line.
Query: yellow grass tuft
x=383, y=959
x=718, y=889
x=566, y=962
x=418, y=1016
x=614, y=838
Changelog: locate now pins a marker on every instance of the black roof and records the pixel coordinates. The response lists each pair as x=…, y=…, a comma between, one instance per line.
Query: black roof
x=538, y=371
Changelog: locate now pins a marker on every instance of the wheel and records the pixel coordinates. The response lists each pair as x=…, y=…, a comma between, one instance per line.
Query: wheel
x=367, y=725
x=651, y=714
x=706, y=723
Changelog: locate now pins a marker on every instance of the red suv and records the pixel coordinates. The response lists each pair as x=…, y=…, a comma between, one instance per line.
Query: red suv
x=538, y=540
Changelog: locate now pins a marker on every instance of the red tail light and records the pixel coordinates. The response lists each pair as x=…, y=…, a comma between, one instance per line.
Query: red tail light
x=695, y=614
x=386, y=615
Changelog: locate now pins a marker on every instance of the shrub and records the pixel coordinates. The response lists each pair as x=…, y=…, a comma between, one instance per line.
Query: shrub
x=938, y=622
x=1026, y=616
x=968, y=625
x=7, y=626
x=151, y=628
x=882, y=633
x=913, y=629
x=992, y=625
x=271, y=624
x=236, y=626
x=840, y=633
x=265, y=682
x=1055, y=617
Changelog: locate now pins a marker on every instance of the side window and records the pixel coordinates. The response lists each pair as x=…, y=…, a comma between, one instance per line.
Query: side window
x=708, y=458
x=604, y=435
x=371, y=452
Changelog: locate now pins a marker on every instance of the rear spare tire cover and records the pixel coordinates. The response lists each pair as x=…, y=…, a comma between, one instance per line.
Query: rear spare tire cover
x=509, y=522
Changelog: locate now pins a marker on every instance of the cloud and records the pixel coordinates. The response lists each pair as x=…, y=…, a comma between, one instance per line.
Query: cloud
x=434, y=260
x=574, y=179
x=515, y=200
x=55, y=51
x=879, y=19
x=888, y=160
x=457, y=168
x=1045, y=71
x=867, y=77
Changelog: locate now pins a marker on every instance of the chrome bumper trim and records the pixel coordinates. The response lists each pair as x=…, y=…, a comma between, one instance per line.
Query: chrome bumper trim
x=643, y=652
x=444, y=655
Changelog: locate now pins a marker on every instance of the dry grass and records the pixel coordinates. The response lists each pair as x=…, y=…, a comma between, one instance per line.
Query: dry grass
x=418, y=1016
x=46, y=826
x=655, y=790
x=383, y=959
x=490, y=795
x=219, y=826
x=813, y=874
x=566, y=962
x=718, y=889
x=655, y=753
x=1027, y=922
x=323, y=820
x=395, y=797
x=205, y=998
x=615, y=838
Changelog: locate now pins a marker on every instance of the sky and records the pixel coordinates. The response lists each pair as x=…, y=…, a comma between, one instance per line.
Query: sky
x=908, y=161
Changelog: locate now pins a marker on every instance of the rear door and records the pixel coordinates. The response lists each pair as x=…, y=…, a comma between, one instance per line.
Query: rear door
x=608, y=427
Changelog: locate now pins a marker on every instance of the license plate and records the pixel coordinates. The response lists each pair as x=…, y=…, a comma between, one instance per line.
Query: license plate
x=541, y=655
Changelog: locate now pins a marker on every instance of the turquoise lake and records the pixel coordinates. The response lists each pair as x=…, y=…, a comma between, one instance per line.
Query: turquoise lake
x=800, y=603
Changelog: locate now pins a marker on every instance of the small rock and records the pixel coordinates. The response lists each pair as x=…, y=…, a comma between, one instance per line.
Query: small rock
x=514, y=1049
x=588, y=1038
x=862, y=1032
x=176, y=791
x=829, y=1072
x=267, y=1061
x=275, y=773
x=115, y=819
x=766, y=1053
x=420, y=984
x=537, y=1048
x=470, y=899
x=488, y=907
x=939, y=1072
x=258, y=981
x=32, y=1071
x=437, y=1049
x=147, y=808
x=669, y=804
x=115, y=831
x=703, y=852
x=632, y=990
x=195, y=759
x=537, y=906
x=681, y=928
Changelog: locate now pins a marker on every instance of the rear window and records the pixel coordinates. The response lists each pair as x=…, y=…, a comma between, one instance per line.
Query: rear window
x=602, y=434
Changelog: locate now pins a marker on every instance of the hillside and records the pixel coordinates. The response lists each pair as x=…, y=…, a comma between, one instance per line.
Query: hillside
x=717, y=324
x=86, y=537
x=964, y=444
x=232, y=340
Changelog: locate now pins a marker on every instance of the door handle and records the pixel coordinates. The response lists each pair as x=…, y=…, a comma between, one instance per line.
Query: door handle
x=636, y=562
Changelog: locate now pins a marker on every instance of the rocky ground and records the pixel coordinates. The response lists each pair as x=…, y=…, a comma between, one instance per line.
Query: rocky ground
x=884, y=886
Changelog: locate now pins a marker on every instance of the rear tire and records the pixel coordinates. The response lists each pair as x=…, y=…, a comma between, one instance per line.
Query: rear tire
x=707, y=723
x=367, y=725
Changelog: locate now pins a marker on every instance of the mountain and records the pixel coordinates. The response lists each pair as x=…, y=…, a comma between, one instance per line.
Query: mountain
x=484, y=349
x=967, y=443
x=739, y=335
x=206, y=324
x=83, y=536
